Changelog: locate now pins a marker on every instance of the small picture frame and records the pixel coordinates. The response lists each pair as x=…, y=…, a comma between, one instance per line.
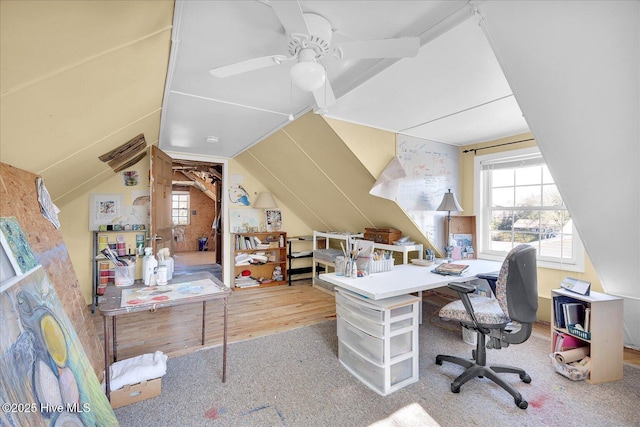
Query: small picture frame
x=273, y=219
x=104, y=209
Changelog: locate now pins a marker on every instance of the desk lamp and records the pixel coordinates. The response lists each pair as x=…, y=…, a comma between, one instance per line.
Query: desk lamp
x=449, y=203
x=264, y=201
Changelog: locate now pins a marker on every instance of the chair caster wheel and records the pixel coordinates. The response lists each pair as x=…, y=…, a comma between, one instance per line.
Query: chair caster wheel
x=455, y=388
x=521, y=403
x=525, y=378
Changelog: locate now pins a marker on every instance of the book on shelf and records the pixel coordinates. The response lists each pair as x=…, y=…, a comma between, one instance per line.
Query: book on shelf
x=573, y=313
x=450, y=269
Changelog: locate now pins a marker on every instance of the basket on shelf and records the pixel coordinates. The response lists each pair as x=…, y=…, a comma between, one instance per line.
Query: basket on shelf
x=381, y=265
x=579, y=333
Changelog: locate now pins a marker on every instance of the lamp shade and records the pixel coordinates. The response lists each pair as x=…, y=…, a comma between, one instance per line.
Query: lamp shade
x=308, y=74
x=449, y=203
x=265, y=201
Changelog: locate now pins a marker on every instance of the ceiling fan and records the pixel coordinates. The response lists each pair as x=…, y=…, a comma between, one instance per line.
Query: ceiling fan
x=309, y=42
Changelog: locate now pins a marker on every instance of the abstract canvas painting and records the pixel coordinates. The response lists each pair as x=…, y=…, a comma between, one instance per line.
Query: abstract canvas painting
x=45, y=375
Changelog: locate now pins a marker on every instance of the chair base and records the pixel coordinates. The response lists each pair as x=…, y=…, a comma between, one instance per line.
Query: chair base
x=473, y=369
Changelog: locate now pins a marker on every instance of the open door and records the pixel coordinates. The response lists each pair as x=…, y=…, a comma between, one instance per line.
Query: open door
x=160, y=229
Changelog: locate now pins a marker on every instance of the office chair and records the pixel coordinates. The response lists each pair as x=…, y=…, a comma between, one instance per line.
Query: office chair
x=505, y=320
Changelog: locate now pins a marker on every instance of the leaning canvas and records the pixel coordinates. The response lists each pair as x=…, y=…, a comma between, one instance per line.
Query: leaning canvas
x=45, y=376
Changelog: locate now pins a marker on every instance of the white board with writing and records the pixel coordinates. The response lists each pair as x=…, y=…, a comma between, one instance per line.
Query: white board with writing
x=432, y=168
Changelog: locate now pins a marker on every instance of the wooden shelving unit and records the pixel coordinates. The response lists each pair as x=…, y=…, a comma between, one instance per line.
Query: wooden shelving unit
x=606, y=344
x=272, y=246
x=465, y=225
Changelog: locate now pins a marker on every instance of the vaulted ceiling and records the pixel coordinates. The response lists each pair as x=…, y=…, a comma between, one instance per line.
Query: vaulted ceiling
x=452, y=91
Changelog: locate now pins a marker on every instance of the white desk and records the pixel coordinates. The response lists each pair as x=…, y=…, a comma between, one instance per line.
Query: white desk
x=407, y=278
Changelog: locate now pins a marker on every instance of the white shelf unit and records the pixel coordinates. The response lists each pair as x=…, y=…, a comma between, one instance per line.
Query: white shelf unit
x=606, y=343
x=378, y=340
x=322, y=241
x=403, y=249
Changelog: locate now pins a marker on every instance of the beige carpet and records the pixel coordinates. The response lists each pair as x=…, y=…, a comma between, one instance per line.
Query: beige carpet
x=294, y=378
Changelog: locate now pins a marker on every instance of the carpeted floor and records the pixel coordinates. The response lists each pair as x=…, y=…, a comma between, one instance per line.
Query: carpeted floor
x=294, y=378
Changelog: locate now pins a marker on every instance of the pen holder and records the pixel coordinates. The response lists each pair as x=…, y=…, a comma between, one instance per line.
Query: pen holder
x=341, y=265
x=125, y=275
x=362, y=266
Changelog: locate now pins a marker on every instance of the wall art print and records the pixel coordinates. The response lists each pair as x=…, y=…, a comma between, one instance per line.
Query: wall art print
x=45, y=376
x=16, y=246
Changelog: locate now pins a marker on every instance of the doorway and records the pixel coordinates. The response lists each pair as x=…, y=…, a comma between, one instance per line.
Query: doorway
x=196, y=216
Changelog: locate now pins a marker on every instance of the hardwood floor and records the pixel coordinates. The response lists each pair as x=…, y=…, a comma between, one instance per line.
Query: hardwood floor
x=252, y=313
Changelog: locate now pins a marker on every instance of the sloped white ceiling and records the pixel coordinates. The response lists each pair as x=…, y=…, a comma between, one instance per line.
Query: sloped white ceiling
x=576, y=74
x=453, y=91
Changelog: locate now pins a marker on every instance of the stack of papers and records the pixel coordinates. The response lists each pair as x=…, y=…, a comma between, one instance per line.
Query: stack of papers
x=246, y=282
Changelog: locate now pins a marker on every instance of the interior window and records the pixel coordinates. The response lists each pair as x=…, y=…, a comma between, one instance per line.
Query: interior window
x=520, y=203
x=180, y=207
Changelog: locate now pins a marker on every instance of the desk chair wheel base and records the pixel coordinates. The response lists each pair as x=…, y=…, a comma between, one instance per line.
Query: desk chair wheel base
x=473, y=370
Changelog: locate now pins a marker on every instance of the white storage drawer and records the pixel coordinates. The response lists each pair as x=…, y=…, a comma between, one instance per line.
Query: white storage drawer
x=372, y=375
x=360, y=322
x=370, y=311
x=371, y=347
x=359, y=308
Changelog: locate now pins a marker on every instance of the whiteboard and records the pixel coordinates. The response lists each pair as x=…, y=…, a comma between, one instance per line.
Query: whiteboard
x=431, y=168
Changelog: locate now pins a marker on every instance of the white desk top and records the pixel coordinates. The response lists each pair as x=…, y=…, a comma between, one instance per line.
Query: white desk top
x=407, y=278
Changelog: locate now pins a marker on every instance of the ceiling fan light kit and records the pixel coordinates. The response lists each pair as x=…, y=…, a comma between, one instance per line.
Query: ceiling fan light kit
x=308, y=74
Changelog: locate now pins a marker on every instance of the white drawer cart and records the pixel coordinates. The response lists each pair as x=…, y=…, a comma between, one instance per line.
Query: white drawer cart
x=378, y=339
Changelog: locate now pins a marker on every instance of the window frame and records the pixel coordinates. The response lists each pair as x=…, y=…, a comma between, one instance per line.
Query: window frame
x=481, y=192
x=188, y=209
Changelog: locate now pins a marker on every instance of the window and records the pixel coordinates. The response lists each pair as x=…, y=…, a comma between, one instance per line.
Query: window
x=180, y=207
x=520, y=203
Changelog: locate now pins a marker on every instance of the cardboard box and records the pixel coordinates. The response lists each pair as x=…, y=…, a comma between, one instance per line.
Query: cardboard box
x=136, y=392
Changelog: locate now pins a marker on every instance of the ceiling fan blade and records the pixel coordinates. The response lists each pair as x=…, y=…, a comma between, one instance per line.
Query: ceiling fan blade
x=290, y=15
x=324, y=96
x=248, y=65
x=387, y=48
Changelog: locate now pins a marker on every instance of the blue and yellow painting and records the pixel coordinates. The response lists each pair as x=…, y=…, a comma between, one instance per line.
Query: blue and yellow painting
x=45, y=376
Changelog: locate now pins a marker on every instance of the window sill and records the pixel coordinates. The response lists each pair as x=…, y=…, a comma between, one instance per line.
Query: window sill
x=577, y=267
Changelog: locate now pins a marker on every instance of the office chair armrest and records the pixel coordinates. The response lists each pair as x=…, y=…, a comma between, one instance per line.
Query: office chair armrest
x=464, y=288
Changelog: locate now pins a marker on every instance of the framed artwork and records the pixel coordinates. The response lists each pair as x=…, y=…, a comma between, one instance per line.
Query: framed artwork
x=104, y=209
x=273, y=219
x=16, y=248
x=244, y=220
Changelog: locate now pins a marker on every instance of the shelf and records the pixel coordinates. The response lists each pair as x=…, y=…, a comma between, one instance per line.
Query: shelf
x=606, y=343
x=276, y=251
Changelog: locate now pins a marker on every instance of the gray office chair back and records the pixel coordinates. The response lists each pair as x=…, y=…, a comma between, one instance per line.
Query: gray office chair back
x=517, y=290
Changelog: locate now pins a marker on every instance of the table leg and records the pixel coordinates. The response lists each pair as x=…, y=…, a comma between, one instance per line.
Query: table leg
x=204, y=316
x=106, y=357
x=224, y=340
x=115, y=341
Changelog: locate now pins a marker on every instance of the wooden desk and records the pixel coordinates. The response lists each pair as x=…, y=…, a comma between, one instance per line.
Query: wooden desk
x=111, y=307
x=407, y=278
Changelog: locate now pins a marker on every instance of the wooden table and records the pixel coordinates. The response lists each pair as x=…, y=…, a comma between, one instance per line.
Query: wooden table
x=111, y=307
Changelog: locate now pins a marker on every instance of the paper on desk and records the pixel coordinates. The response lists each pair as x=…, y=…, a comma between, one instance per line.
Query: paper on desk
x=172, y=292
x=387, y=184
